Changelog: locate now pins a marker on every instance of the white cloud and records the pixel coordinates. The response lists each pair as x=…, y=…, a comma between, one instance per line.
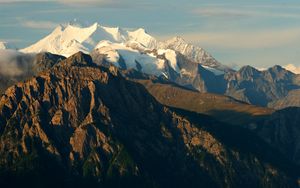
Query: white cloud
x=14, y=63
x=292, y=68
x=38, y=24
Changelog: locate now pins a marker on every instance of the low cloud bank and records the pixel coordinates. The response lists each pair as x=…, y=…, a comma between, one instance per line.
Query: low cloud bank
x=14, y=63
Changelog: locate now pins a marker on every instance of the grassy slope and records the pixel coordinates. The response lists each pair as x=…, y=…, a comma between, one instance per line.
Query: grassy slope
x=221, y=107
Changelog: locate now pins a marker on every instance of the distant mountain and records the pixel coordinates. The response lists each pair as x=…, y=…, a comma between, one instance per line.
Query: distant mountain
x=67, y=40
x=174, y=59
x=80, y=124
x=163, y=63
x=261, y=87
x=195, y=54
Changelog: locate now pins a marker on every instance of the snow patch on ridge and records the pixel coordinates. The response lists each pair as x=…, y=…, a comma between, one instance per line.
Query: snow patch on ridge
x=113, y=51
x=171, y=56
x=213, y=70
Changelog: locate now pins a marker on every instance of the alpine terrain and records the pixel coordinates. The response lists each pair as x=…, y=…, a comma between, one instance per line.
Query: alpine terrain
x=97, y=106
x=79, y=123
x=178, y=61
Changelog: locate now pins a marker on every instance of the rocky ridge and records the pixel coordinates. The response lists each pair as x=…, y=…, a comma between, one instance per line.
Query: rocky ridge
x=92, y=124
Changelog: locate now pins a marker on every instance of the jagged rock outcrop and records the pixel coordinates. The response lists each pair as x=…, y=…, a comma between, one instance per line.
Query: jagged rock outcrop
x=82, y=124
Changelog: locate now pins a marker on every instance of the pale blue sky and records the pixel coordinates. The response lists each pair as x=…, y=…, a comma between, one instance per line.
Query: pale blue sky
x=257, y=32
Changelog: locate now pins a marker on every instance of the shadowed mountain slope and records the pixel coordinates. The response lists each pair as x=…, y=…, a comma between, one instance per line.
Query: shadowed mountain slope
x=221, y=107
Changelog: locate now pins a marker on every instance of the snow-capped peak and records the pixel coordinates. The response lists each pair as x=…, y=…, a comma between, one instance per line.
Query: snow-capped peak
x=142, y=37
x=174, y=59
x=115, y=41
x=193, y=53
x=69, y=39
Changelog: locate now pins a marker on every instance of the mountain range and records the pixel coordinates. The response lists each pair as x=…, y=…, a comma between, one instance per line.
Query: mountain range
x=94, y=127
x=180, y=62
x=99, y=106
x=115, y=42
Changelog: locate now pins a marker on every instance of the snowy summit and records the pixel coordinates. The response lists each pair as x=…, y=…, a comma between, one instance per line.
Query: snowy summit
x=133, y=48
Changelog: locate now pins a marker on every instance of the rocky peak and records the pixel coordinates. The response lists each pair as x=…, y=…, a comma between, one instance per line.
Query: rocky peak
x=45, y=60
x=278, y=73
x=276, y=68
x=79, y=59
x=248, y=68
x=249, y=72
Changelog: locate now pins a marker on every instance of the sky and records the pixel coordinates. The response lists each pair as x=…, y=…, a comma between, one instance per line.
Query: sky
x=260, y=33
